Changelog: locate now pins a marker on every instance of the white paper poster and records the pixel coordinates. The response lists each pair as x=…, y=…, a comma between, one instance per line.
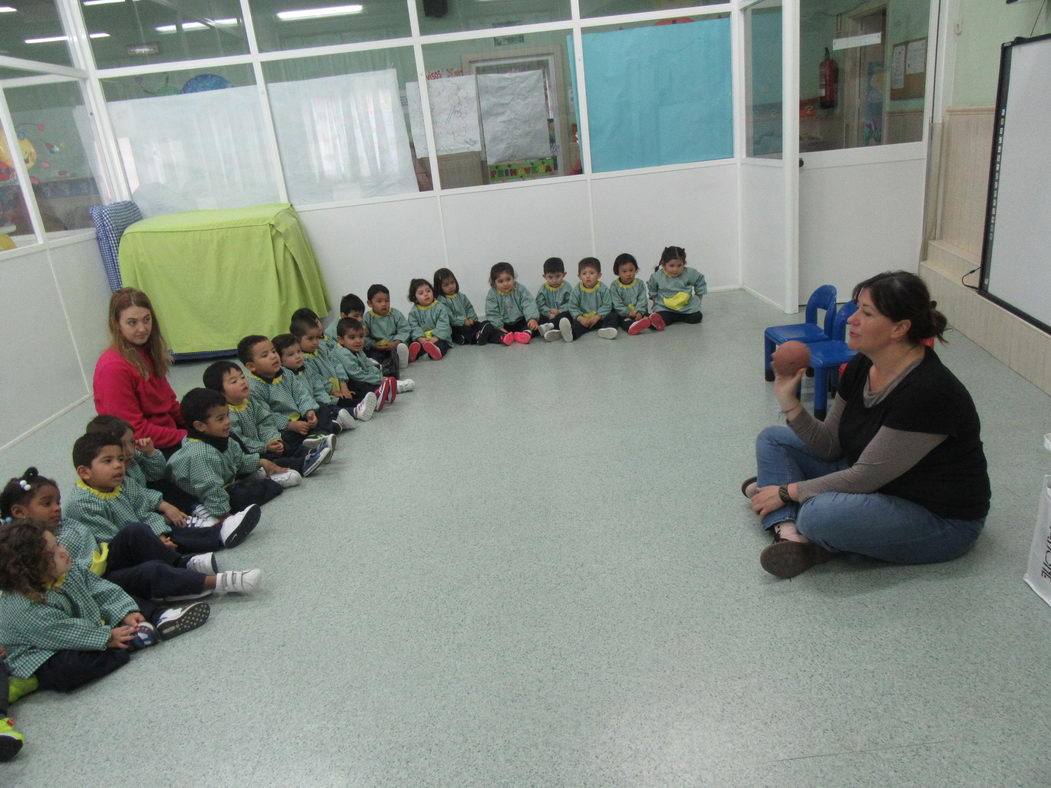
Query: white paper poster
x=916, y=57
x=514, y=116
x=897, y=68
x=454, y=115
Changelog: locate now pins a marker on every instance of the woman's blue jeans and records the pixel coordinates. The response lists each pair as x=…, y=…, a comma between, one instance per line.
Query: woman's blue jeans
x=873, y=524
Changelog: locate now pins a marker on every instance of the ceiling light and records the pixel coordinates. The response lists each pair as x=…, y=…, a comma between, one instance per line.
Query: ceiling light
x=6, y=9
x=54, y=39
x=197, y=25
x=101, y=2
x=318, y=13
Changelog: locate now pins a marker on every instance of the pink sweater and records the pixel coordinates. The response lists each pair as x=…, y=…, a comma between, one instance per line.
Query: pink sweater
x=149, y=406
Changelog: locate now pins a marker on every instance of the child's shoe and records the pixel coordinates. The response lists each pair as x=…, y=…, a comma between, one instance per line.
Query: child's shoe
x=345, y=420
x=330, y=444
x=11, y=741
x=405, y=384
x=607, y=333
x=414, y=351
x=403, y=355
x=639, y=326
x=550, y=334
x=523, y=337
x=200, y=518
x=176, y=620
x=363, y=410
x=657, y=322
x=203, y=563
x=565, y=328
x=432, y=350
x=145, y=635
x=382, y=397
x=236, y=527
x=484, y=334
x=18, y=688
x=258, y=474
x=313, y=441
x=508, y=339
x=543, y=328
x=315, y=459
x=287, y=478
x=392, y=390
x=243, y=582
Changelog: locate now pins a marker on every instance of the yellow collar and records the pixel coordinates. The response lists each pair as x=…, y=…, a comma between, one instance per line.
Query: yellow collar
x=433, y=303
x=310, y=355
x=262, y=380
x=373, y=313
x=592, y=289
x=242, y=406
x=552, y=289
x=504, y=292
x=633, y=283
x=57, y=584
x=108, y=496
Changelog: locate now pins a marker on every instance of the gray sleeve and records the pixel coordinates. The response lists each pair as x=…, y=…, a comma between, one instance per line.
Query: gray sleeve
x=889, y=454
x=821, y=437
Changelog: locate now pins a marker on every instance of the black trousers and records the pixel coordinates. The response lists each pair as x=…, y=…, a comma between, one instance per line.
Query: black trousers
x=145, y=567
x=468, y=335
x=609, y=321
x=197, y=540
x=173, y=494
x=389, y=364
x=246, y=492
x=68, y=670
x=441, y=344
x=624, y=323
x=556, y=319
x=680, y=317
x=518, y=325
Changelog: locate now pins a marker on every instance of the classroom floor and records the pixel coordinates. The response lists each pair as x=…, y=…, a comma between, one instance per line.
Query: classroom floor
x=538, y=569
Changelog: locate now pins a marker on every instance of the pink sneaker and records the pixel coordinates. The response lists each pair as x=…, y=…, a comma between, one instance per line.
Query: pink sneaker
x=414, y=351
x=508, y=339
x=639, y=326
x=392, y=388
x=523, y=337
x=381, y=395
x=432, y=350
x=657, y=322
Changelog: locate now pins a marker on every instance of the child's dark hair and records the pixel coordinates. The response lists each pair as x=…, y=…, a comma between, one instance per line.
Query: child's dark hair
x=283, y=342
x=303, y=313
x=87, y=447
x=350, y=303
x=415, y=283
x=245, y=346
x=346, y=324
x=623, y=258
x=589, y=262
x=554, y=265
x=500, y=268
x=111, y=425
x=299, y=327
x=900, y=295
x=196, y=404
x=374, y=289
x=213, y=375
x=25, y=561
x=441, y=276
x=671, y=253
x=20, y=491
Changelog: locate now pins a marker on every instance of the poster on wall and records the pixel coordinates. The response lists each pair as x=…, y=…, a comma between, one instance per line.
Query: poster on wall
x=514, y=116
x=454, y=115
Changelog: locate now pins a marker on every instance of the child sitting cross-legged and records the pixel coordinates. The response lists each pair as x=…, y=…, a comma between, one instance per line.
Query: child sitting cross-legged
x=322, y=370
x=590, y=305
x=103, y=502
x=364, y=374
x=386, y=330
x=64, y=624
x=213, y=466
x=252, y=422
x=430, y=327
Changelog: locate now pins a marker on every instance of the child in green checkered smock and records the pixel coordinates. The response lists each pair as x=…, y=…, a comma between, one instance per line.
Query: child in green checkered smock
x=630, y=297
x=430, y=324
x=676, y=289
x=464, y=321
x=303, y=352
x=510, y=309
x=362, y=373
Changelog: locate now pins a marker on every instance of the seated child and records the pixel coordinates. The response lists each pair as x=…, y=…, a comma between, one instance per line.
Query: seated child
x=349, y=306
x=323, y=371
x=330, y=412
x=362, y=372
x=464, y=320
x=386, y=329
x=430, y=327
x=212, y=466
x=101, y=501
x=676, y=290
x=136, y=559
x=630, y=297
x=552, y=298
x=589, y=305
x=66, y=625
x=293, y=411
x=11, y=689
x=510, y=309
x=252, y=422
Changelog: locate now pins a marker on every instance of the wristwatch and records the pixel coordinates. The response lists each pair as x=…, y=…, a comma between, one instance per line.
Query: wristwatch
x=782, y=493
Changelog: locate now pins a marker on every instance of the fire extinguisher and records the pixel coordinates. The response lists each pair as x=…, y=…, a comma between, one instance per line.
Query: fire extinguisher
x=828, y=79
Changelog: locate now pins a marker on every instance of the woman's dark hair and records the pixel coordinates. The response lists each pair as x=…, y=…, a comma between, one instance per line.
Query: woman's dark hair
x=216, y=371
x=671, y=253
x=415, y=283
x=441, y=276
x=156, y=347
x=899, y=295
x=198, y=403
x=25, y=563
x=622, y=258
x=20, y=491
x=500, y=268
x=112, y=425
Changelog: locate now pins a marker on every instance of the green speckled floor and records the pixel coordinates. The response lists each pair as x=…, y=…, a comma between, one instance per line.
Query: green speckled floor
x=538, y=569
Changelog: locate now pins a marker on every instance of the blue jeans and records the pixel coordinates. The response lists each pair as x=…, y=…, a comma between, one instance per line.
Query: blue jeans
x=873, y=524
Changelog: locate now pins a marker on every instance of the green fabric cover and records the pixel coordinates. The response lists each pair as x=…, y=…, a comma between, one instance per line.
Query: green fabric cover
x=217, y=276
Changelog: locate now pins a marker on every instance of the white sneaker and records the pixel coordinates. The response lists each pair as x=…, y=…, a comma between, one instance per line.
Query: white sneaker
x=406, y=384
x=345, y=420
x=363, y=410
x=315, y=458
x=330, y=444
x=204, y=563
x=607, y=333
x=177, y=620
x=259, y=473
x=552, y=334
x=244, y=582
x=199, y=518
x=543, y=328
x=236, y=527
x=565, y=328
x=287, y=478
x=403, y=356
x=313, y=441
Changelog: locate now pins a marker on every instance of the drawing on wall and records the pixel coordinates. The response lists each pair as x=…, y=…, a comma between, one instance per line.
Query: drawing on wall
x=454, y=115
x=514, y=116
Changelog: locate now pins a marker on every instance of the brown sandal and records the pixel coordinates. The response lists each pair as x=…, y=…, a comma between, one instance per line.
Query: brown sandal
x=744, y=486
x=788, y=559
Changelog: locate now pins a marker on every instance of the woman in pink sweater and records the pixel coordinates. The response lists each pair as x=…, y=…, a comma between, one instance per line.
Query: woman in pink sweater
x=131, y=374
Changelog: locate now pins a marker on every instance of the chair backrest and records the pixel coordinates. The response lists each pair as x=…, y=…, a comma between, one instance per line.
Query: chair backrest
x=839, y=325
x=110, y=223
x=822, y=298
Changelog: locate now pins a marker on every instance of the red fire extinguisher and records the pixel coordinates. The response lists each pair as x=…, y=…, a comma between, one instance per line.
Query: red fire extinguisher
x=828, y=80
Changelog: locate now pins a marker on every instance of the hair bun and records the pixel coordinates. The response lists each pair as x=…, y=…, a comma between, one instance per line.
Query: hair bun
x=30, y=473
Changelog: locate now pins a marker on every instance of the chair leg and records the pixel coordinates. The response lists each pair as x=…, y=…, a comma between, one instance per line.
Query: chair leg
x=768, y=350
x=820, y=391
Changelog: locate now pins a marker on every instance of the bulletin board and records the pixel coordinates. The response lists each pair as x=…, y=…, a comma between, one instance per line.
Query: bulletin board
x=908, y=69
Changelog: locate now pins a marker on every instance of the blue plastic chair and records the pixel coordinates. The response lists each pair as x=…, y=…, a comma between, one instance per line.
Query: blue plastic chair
x=826, y=358
x=809, y=332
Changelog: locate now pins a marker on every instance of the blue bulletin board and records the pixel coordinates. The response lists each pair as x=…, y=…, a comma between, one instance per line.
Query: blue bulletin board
x=659, y=94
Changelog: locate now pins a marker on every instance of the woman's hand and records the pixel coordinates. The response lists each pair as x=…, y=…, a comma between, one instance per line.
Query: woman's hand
x=768, y=499
x=785, y=388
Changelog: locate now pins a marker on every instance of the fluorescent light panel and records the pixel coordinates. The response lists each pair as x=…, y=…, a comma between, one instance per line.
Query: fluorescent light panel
x=319, y=13
x=6, y=9
x=101, y=2
x=55, y=39
x=187, y=26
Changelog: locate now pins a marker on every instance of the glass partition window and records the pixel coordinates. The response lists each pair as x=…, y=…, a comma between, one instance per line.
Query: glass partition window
x=499, y=112
x=16, y=226
x=589, y=8
x=295, y=24
x=862, y=72
x=453, y=16
x=765, y=104
x=199, y=147
x=343, y=125
x=659, y=94
x=57, y=145
x=32, y=30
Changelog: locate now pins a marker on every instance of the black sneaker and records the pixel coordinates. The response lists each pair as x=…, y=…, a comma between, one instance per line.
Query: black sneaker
x=484, y=333
x=788, y=559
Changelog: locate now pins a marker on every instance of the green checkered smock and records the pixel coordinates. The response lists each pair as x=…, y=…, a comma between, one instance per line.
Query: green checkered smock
x=287, y=396
x=205, y=472
x=430, y=322
x=105, y=513
x=252, y=422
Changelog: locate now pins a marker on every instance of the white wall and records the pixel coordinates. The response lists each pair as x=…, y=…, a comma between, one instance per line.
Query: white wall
x=764, y=265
